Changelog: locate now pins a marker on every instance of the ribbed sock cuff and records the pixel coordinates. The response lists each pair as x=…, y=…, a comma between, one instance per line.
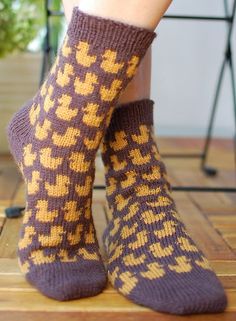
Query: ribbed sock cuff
x=131, y=115
x=106, y=33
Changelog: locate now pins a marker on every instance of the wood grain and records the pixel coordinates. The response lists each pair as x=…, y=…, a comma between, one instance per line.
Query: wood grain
x=209, y=217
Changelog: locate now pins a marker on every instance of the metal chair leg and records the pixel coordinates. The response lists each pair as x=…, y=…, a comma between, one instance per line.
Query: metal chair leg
x=228, y=60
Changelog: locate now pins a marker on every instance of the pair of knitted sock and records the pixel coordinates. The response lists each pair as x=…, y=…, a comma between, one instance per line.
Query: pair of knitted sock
x=54, y=139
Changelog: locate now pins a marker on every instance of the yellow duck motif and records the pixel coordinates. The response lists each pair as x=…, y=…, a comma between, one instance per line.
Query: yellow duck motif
x=34, y=114
x=112, y=276
x=82, y=55
x=117, y=165
x=39, y=258
x=63, y=110
x=133, y=209
x=141, y=240
x=42, y=131
x=168, y=229
x=155, y=271
x=71, y=214
x=74, y=238
x=54, y=238
x=43, y=89
x=137, y=158
x=143, y=137
x=120, y=141
x=130, y=179
x=129, y=282
x=149, y=217
x=111, y=188
x=52, y=71
x=78, y=163
x=109, y=115
x=117, y=252
x=43, y=214
x=66, y=50
x=68, y=139
x=84, y=190
x=87, y=209
x=109, y=94
x=86, y=87
x=27, y=239
x=87, y=255
x=128, y=231
x=24, y=267
x=48, y=102
x=132, y=66
x=204, y=263
x=182, y=265
x=27, y=215
x=131, y=260
x=161, y=202
x=90, y=117
x=90, y=235
x=64, y=76
x=29, y=156
x=93, y=143
x=121, y=202
x=109, y=63
x=33, y=185
x=145, y=190
x=47, y=161
x=60, y=188
x=64, y=256
x=185, y=245
x=154, y=175
x=158, y=251
x=116, y=226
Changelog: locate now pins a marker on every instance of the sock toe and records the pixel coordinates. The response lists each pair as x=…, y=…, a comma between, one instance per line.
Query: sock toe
x=69, y=281
x=182, y=296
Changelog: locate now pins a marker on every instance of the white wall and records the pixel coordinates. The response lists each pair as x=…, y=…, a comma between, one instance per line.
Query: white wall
x=187, y=56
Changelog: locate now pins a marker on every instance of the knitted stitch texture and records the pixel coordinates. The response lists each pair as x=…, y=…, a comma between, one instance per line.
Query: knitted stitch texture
x=54, y=139
x=152, y=260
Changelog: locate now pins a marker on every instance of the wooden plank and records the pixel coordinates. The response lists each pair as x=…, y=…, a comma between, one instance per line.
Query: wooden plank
x=9, y=267
x=203, y=233
x=104, y=302
x=107, y=316
x=9, y=179
x=223, y=267
x=210, y=219
x=9, y=238
x=203, y=200
x=19, y=196
x=231, y=241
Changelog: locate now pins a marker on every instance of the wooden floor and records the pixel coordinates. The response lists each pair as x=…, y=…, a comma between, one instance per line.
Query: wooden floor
x=210, y=219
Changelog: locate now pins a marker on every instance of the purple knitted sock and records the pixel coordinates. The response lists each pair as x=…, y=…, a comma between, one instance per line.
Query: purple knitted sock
x=151, y=258
x=54, y=139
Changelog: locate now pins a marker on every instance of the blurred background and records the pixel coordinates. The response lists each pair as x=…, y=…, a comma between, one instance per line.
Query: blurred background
x=187, y=56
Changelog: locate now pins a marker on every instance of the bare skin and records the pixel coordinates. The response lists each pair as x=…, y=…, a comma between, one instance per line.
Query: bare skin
x=148, y=16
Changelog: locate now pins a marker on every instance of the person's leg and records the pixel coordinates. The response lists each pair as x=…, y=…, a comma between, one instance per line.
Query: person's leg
x=151, y=258
x=140, y=13
x=139, y=87
x=54, y=139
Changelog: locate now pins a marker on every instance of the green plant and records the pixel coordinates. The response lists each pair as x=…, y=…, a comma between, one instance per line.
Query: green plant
x=20, y=22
